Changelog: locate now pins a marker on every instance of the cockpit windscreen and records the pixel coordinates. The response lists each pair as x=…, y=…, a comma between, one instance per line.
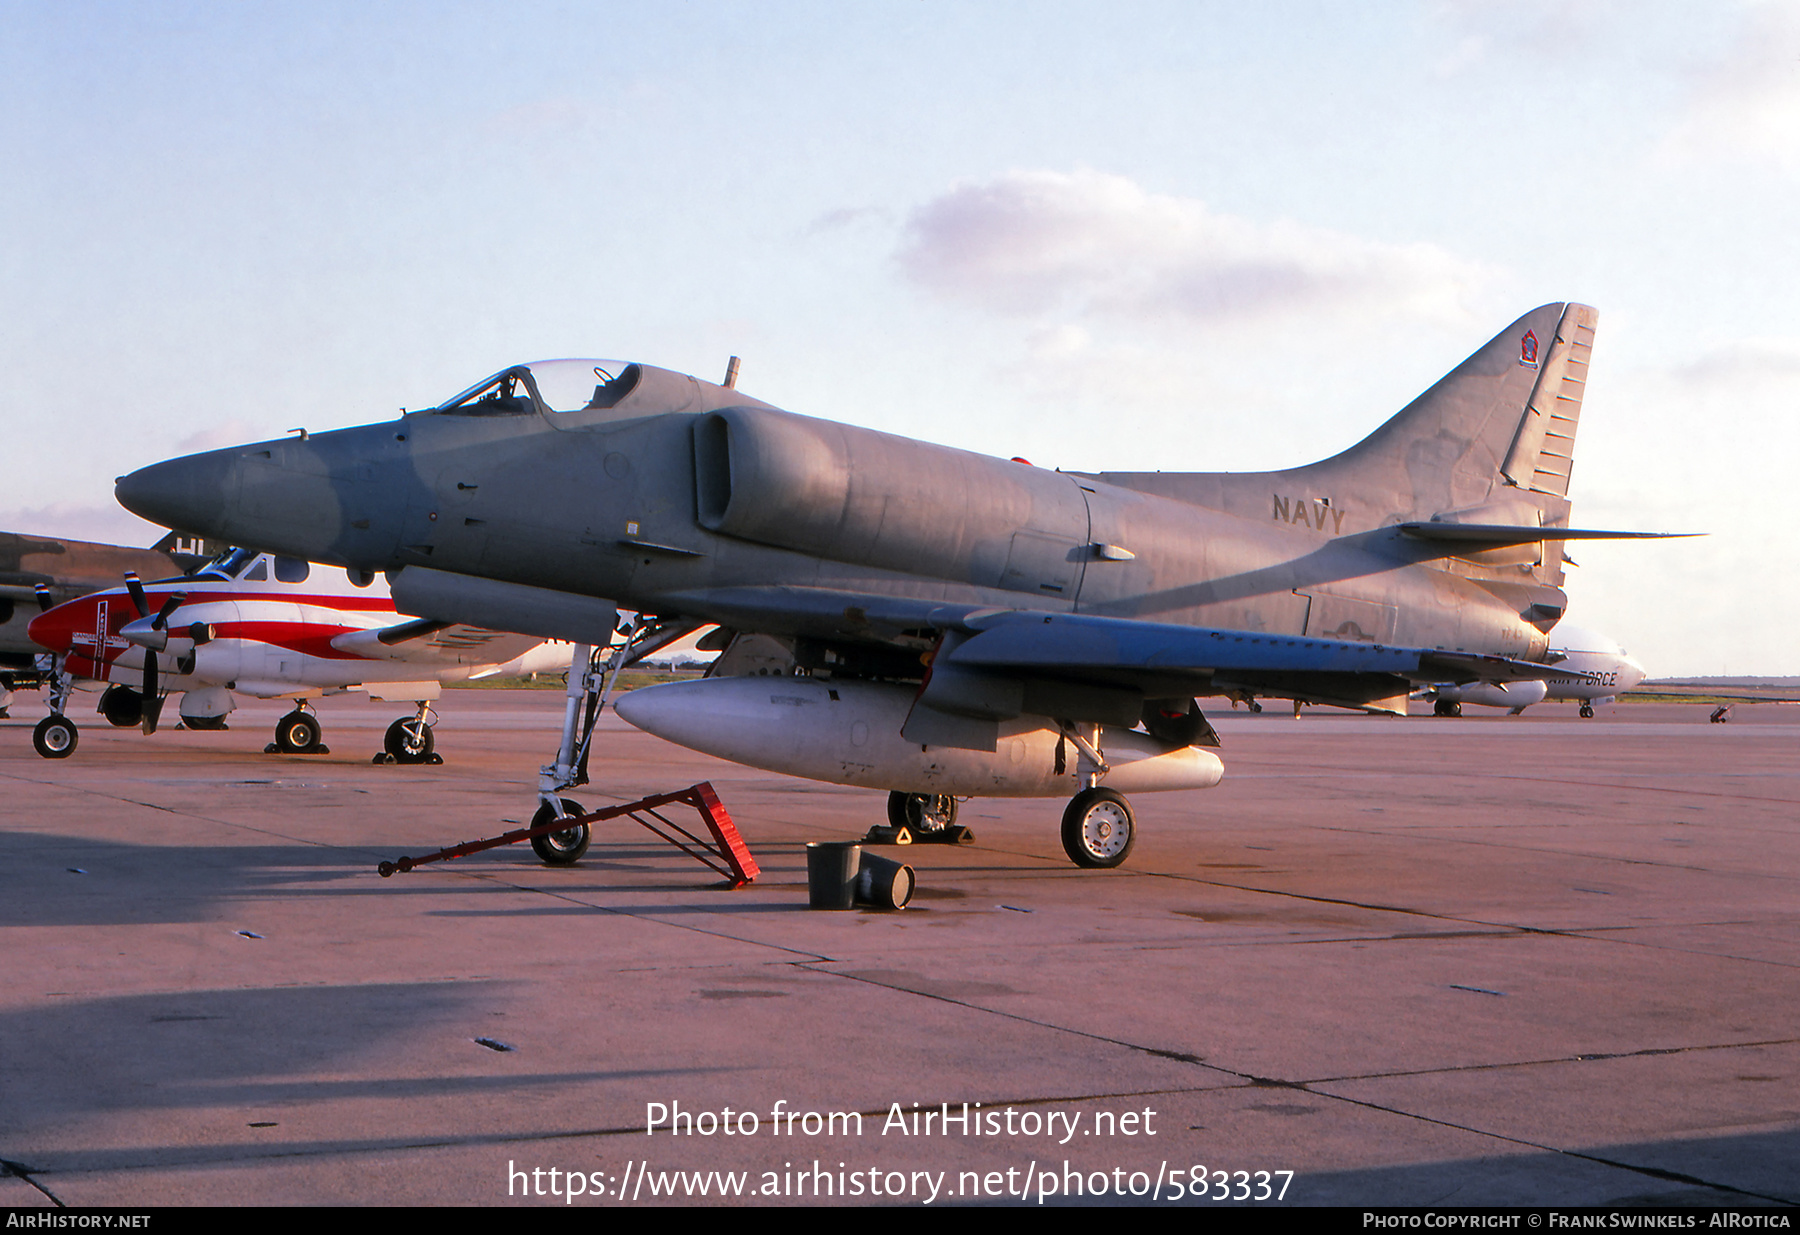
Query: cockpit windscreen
x=562, y=385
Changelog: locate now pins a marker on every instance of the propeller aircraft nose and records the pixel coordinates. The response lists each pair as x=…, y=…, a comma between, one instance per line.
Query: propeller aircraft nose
x=55, y=627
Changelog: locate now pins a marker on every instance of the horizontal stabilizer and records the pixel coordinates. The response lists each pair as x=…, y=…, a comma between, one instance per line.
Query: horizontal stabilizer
x=1491, y=535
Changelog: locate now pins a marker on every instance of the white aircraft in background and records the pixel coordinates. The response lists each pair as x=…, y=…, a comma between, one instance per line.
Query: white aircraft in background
x=270, y=627
x=1587, y=666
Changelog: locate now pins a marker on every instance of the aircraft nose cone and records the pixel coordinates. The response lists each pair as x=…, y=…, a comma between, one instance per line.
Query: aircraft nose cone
x=1634, y=673
x=186, y=493
x=53, y=629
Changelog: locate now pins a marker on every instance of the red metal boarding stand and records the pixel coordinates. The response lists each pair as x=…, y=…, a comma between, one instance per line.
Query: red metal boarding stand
x=725, y=853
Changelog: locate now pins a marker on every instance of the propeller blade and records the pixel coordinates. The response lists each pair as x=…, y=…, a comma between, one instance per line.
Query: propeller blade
x=45, y=603
x=200, y=633
x=152, y=698
x=135, y=586
x=175, y=601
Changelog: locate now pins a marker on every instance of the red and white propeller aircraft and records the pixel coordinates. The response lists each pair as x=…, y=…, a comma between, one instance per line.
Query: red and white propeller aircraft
x=270, y=627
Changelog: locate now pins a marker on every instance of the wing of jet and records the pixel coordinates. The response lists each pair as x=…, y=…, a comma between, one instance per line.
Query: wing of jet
x=929, y=620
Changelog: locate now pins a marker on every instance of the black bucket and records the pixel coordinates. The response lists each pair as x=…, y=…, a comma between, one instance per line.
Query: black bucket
x=883, y=882
x=831, y=868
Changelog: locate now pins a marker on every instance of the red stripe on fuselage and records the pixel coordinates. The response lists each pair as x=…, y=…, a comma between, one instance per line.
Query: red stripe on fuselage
x=306, y=638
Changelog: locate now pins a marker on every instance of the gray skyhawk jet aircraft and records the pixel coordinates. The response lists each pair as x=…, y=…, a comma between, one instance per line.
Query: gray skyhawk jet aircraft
x=941, y=623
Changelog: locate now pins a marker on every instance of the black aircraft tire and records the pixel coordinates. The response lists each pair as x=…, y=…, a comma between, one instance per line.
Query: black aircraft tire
x=561, y=848
x=55, y=737
x=921, y=812
x=1587, y=712
x=297, y=734
x=399, y=742
x=1098, y=828
x=1444, y=707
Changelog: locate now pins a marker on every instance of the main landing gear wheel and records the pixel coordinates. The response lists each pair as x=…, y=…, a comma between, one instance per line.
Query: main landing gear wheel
x=406, y=747
x=55, y=737
x=921, y=812
x=297, y=734
x=1587, y=711
x=1098, y=828
x=562, y=848
x=1444, y=707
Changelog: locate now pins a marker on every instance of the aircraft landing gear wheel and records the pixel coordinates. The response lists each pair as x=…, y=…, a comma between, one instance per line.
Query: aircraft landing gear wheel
x=1443, y=707
x=1098, y=828
x=297, y=734
x=561, y=848
x=55, y=737
x=921, y=812
x=403, y=746
x=1587, y=712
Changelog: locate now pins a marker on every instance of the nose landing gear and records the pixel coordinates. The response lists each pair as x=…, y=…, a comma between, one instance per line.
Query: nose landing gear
x=56, y=736
x=592, y=675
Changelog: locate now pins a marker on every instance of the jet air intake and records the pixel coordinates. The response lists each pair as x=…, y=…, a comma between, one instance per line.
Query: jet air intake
x=855, y=495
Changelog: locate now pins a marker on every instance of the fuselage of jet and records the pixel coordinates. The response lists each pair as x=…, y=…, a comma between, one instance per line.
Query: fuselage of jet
x=674, y=496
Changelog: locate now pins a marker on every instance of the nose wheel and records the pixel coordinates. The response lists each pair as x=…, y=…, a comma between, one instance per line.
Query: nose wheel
x=55, y=737
x=561, y=848
x=1098, y=828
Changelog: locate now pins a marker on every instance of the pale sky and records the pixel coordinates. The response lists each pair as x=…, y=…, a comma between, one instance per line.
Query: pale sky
x=1186, y=236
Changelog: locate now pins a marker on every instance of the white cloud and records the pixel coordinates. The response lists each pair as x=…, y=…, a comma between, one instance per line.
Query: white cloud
x=1747, y=105
x=1550, y=32
x=846, y=217
x=1087, y=246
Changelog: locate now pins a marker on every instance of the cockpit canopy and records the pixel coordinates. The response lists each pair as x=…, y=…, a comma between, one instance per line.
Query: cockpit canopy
x=559, y=386
x=589, y=394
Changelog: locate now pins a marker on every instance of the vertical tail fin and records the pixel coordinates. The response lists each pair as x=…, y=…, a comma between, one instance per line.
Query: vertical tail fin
x=1492, y=441
x=1497, y=431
